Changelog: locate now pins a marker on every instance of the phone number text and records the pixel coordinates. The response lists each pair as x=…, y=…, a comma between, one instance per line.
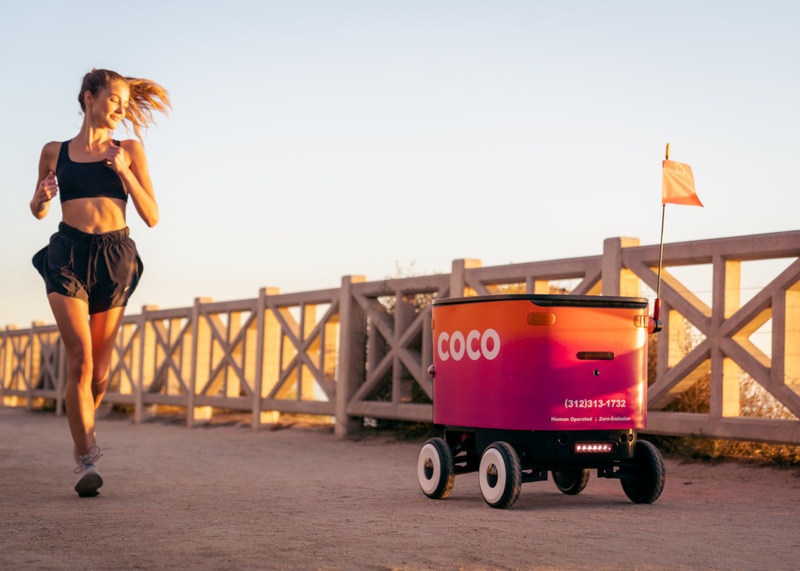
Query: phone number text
x=595, y=403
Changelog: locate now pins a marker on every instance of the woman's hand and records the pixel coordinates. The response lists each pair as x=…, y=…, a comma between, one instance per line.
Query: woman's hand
x=115, y=157
x=45, y=191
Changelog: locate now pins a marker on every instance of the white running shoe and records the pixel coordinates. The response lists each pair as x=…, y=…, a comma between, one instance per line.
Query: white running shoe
x=89, y=479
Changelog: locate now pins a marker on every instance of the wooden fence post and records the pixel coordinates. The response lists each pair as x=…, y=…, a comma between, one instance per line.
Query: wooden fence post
x=201, y=360
x=618, y=280
x=458, y=278
x=352, y=354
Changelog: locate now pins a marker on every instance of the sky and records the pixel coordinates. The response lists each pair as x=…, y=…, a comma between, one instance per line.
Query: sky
x=315, y=139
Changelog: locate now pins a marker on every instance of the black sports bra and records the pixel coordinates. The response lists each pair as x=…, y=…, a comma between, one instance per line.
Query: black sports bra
x=86, y=180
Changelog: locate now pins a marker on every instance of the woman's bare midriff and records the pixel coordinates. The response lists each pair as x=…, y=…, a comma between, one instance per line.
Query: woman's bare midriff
x=94, y=215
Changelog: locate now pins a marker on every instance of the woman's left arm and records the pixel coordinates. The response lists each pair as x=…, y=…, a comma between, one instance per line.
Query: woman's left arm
x=135, y=176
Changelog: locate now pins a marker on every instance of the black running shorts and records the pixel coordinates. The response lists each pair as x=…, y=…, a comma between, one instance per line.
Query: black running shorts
x=101, y=269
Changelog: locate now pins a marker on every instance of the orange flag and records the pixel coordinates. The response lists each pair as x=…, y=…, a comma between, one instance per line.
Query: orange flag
x=677, y=184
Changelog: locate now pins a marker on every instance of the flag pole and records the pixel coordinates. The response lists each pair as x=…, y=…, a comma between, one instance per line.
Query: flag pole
x=657, y=303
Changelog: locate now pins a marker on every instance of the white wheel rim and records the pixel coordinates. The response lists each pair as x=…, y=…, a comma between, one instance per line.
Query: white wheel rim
x=492, y=457
x=429, y=453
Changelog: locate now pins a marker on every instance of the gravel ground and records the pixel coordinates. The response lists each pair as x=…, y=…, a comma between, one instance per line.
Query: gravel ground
x=228, y=497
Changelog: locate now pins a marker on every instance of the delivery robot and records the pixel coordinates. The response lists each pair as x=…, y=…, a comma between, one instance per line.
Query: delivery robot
x=526, y=384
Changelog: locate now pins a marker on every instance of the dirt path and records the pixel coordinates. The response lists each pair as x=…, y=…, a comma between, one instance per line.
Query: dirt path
x=228, y=497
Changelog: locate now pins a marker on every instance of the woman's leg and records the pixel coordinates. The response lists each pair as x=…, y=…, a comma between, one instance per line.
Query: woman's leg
x=89, y=343
x=104, y=328
x=72, y=318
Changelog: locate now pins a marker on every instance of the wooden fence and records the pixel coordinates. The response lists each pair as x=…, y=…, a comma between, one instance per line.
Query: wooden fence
x=361, y=351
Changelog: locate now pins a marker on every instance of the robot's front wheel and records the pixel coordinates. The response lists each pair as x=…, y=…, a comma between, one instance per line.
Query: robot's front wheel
x=500, y=475
x=435, y=469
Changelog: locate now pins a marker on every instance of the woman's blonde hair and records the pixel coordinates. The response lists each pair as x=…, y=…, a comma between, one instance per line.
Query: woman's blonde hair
x=146, y=96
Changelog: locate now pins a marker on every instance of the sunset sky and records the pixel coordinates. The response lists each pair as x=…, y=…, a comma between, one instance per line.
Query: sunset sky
x=315, y=139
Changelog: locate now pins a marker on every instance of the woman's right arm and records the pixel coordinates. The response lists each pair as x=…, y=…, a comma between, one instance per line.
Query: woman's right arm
x=46, y=187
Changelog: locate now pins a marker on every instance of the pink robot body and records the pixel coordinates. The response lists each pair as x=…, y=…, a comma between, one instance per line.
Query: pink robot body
x=540, y=362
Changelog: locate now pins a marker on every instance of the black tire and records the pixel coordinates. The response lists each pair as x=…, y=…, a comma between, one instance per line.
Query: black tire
x=500, y=475
x=643, y=480
x=572, y=482
x=435, y=469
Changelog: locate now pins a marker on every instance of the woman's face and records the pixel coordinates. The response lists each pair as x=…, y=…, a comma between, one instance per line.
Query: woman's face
x=110, y=104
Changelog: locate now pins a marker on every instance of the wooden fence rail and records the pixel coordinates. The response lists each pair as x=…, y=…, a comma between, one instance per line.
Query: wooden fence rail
x=362, y=350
